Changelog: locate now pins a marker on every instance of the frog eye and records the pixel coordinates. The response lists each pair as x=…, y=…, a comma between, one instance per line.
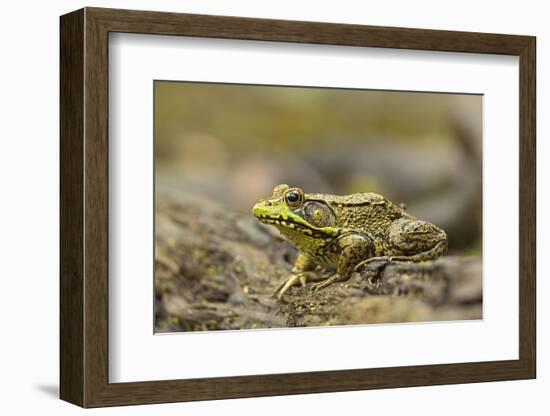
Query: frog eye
x=294, y=198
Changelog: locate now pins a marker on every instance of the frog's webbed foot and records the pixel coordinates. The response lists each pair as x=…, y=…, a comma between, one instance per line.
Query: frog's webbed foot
x=383, y=261
x=374, y=266
x=327, y=282
x=299, y=278
x=380, y=261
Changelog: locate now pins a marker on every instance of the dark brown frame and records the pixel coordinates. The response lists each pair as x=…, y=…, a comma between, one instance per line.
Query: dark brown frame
x=84, y=207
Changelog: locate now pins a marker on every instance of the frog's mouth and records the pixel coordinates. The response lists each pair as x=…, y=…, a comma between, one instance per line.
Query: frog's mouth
x=288, y=223
x=281, y=221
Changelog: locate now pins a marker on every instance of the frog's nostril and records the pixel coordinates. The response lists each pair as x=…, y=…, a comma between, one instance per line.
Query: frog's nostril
x=268, y=203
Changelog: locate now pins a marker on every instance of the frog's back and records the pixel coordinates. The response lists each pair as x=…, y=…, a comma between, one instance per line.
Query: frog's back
x=363, y=198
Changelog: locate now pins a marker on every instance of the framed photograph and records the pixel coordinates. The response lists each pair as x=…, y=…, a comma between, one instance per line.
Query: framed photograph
x=254, y=207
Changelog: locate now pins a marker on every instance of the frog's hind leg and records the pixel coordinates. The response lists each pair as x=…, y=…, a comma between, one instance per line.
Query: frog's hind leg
x=410, y=239
x=416, y=240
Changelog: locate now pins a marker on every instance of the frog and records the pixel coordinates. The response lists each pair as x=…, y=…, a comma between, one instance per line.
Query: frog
x=339, y=233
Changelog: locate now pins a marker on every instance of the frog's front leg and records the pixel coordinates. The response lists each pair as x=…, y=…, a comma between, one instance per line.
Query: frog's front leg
x=410, y=239
x=353, y=248
x=301, y=273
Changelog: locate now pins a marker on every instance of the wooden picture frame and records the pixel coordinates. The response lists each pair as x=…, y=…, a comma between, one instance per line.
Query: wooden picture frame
x=84, y=207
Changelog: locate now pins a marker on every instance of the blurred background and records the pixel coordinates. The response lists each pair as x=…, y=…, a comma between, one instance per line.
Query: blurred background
x=233, y=143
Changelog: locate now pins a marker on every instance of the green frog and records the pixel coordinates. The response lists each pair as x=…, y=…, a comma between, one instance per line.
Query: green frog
x=340, y=232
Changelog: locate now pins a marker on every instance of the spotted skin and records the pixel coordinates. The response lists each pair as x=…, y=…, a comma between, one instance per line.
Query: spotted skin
x=340, y=232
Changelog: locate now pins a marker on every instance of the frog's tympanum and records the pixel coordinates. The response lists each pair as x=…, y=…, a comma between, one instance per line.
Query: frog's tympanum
x=339, y=232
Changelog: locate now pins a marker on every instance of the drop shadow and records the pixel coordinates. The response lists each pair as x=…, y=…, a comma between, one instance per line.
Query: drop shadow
x=51, y=390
